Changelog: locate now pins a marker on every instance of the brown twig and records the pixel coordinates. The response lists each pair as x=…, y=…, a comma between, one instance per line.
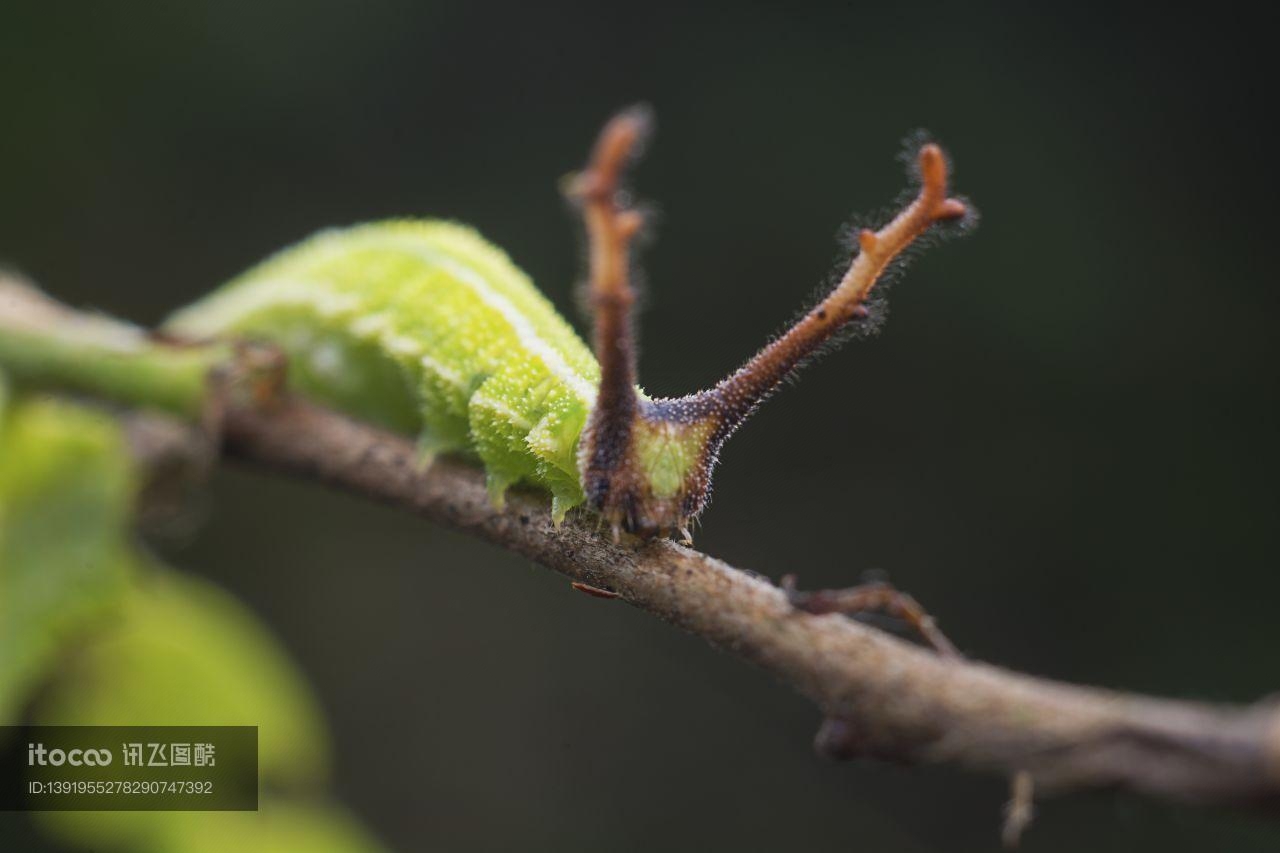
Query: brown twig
x=893, y=700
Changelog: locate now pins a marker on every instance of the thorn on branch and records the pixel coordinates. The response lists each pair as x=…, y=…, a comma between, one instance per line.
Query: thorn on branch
x=1020, y=810
x=593, y=591
x=840, y=739
x=871, y=597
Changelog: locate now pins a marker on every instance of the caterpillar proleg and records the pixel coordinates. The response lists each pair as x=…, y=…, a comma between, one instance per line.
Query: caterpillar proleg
x=425, y=328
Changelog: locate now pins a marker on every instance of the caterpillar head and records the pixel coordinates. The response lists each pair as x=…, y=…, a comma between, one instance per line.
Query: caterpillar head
x=646, y=465
x=654, y=476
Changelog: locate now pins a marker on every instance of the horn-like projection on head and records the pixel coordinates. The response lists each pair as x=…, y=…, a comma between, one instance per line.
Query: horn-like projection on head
x=646, y=463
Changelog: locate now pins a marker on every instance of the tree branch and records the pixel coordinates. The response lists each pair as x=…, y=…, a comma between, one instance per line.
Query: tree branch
x=882, y=697
x=892, y=699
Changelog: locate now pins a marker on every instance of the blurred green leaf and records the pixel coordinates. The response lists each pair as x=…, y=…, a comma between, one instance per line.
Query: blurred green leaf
x=65, y=493
x=151, y=647
x=186, y=653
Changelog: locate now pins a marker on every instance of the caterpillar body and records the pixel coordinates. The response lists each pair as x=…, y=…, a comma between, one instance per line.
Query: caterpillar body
x=427, y=329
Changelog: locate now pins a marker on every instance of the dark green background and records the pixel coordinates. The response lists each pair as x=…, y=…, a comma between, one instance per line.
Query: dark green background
x=1063, y=442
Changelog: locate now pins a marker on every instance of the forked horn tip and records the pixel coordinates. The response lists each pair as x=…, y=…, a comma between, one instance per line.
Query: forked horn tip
x=952, y=208
x=629, y=223
x=933, y=167
x=624, y=134
x=637, y=118
x=867, y=240
x=618, y=143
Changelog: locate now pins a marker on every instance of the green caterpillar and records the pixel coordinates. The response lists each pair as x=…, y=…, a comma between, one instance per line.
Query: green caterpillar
x=427, y=329
x=423, y=327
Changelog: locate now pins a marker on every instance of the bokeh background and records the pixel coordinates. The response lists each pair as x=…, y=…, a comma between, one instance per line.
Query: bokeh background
x=1063, y=442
